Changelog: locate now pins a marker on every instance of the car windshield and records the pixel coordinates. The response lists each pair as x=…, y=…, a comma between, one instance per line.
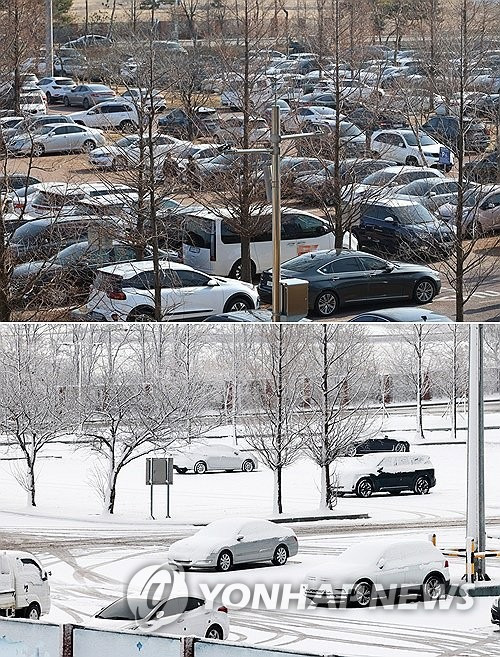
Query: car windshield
x=349, y=130
x=28, y=232
x=380, y=178
x=225, y=158
x=128, y=609
x=125, y=141
x=31, y=100
x=303, y=262
x=418, y=187
x=413, y=214
x=44, y=129
x=424, y=139
x=361, y=553
x=221, y=528
x=71, y=254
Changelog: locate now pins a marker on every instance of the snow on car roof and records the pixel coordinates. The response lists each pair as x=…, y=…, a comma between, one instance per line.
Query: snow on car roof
x=128, y=269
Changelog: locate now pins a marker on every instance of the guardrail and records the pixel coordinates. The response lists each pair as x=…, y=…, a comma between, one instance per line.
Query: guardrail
x=471, y=556
x=25, y=638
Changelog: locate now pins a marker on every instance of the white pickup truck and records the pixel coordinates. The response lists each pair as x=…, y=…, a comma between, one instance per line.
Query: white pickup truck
x=24, y=586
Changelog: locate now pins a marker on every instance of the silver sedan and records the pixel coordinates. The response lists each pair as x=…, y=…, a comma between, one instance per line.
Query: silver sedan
x=225, y=543
x=56, y=139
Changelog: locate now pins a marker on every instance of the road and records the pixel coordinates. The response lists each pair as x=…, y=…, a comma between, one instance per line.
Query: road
x=92, y=566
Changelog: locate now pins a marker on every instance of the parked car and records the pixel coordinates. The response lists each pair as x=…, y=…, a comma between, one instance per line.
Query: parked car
x=180, y=124
x=480, y=213
x=141, y=98
x=447, y=129
x=245, y=316
x=54, y=88
x=87, y=95
x=397, y=175
x=373, y=568
x=112, y=115
x=338, y=278
x=187, y=616
x=406, y=147
x=32, y=124
x=432, y=193
x=402, y=228
x=305, y=118
x=32, y=102
x=57, y=139
x=483, y=171
x=200, y=458
x=379, y=444
x=24, y=585
x=387, y=473
x=89, y=40
x=76, y=66
x=15, y=182
x=408, y=315
x=113, y=156
x=495, y=612
x=71, y=271
x=231, y=127
x=55, y=199
x=369, y=120
x=232, y=541
x=126, y=292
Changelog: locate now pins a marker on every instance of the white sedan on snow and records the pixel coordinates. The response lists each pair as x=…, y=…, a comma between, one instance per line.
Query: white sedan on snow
x=375, y=567
x=201, y=458
x=231, y=541
x=186, y=616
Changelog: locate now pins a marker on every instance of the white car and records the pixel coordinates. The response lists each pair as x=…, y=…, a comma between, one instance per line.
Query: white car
x=112, y=114
x=54, y=88
x=142, y=98
x=231, y=541
x=201, y=458
x=309, y=115
x=230, y=130
x=185, y=616
x=406, y=147
x=113, y=156
x=126, y=292
x=162, y=144
x=55, y=138
x=32, y=102
x=374, y=567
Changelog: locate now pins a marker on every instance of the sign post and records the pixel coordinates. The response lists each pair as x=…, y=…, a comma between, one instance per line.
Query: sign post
x=159, y=472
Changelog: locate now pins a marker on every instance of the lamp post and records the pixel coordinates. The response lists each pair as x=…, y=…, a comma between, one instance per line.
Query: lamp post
x=49, y=39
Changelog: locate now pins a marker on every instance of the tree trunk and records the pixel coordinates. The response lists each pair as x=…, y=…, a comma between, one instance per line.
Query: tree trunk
x=31, y=492
x=110, y=494
x=325, y=503
x=246, y=263
x=277, y=499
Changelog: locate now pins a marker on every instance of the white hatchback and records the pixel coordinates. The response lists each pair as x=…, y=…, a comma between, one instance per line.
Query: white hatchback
x=370, y=570
x=201, y=458
x=126, y=292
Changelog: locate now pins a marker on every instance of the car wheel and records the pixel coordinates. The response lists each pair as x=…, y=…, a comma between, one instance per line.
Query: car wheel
x=412, y=161
x=214, y=632
x=364, y=488
x=248, y=466
x=86, y=103
x=48, y=96
x=127, y=127
x=88, y=145
x=33, y=612
x=141, y=315
x=38, y=150
x=280, y=555
x=421, y=486
x=238, y=303
x=225, y=561
x=236, y=270
x=361, y=594
x=434, y=587
x=200, y=467
x=424, y=291
x=327, y=303
x=66, y=101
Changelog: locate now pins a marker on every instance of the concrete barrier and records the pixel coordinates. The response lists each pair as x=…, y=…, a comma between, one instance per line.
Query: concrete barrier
x=23, y=638
x=100, y=643
x=203, y=648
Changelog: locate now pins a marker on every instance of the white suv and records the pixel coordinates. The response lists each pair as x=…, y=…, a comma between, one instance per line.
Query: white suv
x=126, y=292
x=119, y=114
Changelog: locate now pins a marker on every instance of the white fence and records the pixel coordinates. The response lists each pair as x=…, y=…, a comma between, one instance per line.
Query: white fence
x=23, y=638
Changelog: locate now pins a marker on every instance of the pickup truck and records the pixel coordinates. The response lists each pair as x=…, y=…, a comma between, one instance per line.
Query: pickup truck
x=24, y=586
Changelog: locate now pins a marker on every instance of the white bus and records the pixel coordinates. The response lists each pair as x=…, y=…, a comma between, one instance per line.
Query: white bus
x=211, y=244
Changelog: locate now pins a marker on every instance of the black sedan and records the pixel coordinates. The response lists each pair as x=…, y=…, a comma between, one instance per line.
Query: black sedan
x=383, y=444
x=337, y=278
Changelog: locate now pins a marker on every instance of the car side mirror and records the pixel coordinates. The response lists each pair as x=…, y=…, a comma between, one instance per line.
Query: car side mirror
x=381, y=469
x=389, y=219
x=212, y=283
x=240, y=538
x=159, y=615
x=381, y=563
x=388, y=266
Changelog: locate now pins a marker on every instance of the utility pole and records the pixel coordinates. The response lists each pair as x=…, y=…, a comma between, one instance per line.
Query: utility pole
x=475, y=448
x=49, y=39
x=276, y=209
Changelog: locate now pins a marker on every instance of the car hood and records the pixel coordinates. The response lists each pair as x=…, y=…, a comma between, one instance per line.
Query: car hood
x=410, y=267
x=32, y=268
x=192, y=548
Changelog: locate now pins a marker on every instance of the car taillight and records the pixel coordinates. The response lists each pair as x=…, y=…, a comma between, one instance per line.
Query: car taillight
x=446, y=564
x=223, y=609
x=116, y=294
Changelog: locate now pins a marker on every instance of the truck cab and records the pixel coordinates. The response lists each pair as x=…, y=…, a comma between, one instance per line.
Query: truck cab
x=24, y=586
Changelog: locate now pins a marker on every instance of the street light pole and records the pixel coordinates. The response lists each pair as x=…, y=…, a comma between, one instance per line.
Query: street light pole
x=475, y=447
x=276, y=210
x=49, y=39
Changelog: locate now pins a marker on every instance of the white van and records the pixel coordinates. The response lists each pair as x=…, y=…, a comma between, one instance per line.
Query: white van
x=210, y=244
x=24, y=586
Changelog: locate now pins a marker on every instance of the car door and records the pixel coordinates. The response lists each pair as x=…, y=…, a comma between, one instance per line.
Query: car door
x=384, y=281
x=488, y=215
x=76, y=136
x=348, y=277
x=94, y=117
x=381, y=145
x=7, y=587
x=375, y=231
x=393, y=568
x=387, y=474
x=192, y=296
x=253, y=544
x=57, y=140
x=76, y=96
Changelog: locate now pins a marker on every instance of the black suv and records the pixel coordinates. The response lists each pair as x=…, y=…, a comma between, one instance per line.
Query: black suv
x=384, y=444
x=447, y=130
